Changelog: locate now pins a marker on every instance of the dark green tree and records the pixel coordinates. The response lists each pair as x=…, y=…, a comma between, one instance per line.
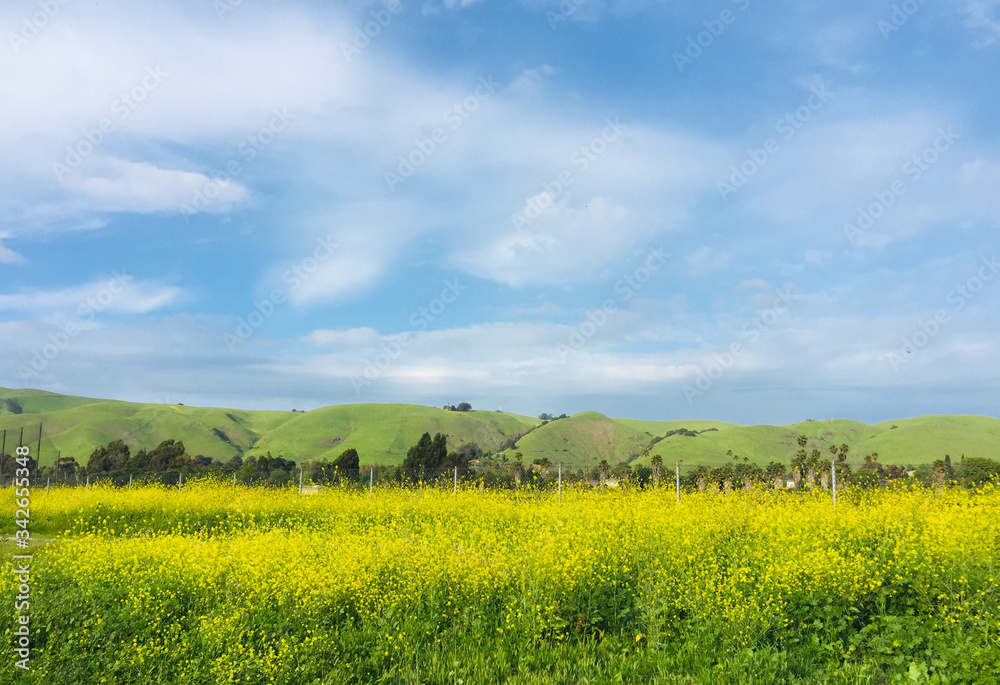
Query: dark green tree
x=168, y=455
x=427, y=453
x=417, y=455
x=439, y=451
x=138, y=462
x=98, y=461
x=278, y=477
x=976, y=471
x=348, y=460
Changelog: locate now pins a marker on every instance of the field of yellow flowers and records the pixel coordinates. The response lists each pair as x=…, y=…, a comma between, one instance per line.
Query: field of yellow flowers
x=215, y=585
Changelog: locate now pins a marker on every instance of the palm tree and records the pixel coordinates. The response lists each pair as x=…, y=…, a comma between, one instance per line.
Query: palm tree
x=815, y=463
x=657, y=464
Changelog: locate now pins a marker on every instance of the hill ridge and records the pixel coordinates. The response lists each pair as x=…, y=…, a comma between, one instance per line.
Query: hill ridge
x=382, y=432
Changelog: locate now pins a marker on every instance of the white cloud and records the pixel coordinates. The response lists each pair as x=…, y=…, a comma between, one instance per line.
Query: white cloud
x=352, y=121
x=801, y=361
x=817, y=257
x=531, y=81
x=7, y=255
x=350, y=338
x=565, y=244
x=585, y=211
x=706, y=260
x=116, y=185
x=121, y=293
x=355, y=246
x=978, y=190
x=981, y=16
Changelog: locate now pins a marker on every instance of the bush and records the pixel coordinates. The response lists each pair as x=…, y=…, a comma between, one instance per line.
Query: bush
x=977, y=470
x=279, y=477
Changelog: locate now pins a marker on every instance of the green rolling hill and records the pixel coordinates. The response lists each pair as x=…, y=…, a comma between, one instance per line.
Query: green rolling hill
x=382, y=433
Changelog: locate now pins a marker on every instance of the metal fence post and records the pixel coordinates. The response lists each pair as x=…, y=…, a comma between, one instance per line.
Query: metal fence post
x=234, y=481
x=371, y=481
x=300, y=482
x=833, y=473
x=130, y=481
x=678, y=487
x=88, y=482
x=456, y=481
x=180, y=480
x=560, y=483
x=47, y=479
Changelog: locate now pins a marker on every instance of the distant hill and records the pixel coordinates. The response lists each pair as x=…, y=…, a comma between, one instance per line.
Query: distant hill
x=382, y=433
x=74, y=426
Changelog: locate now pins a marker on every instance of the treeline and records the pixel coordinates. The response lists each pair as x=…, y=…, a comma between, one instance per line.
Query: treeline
x=430, y=458
x=169, y=457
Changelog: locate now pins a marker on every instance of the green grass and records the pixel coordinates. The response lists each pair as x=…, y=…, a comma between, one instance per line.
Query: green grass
x=584, y=440
x=383, y=432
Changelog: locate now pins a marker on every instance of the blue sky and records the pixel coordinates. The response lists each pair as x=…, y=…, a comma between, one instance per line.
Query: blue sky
x=664, y=210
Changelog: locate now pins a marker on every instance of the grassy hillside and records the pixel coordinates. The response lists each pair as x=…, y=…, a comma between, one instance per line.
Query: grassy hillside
x=73, y=426
x=383, y=432
x=906, y=441
x=587, y=438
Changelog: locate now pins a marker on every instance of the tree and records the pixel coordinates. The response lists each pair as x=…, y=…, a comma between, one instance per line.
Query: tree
x=66, y=467
x=976, y=471
x=348, y=460
x=775, y=472
x=439, y=451
x=799, y=466
x=464, y=406
x=622, y=470
x=114, y=457
x=279, y=477
x=118, y=454
x=657, y=463
x=138, y=462
x=813, y=464
x=98, y=461
x=427, y=453
x=167, y=455
x=473, y=451
x=417, y=455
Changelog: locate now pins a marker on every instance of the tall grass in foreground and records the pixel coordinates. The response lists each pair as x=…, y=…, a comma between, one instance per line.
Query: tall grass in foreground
x=211, y=585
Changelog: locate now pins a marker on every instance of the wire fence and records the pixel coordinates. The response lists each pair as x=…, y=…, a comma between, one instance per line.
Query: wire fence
x=673, y=482
x=311, y=477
